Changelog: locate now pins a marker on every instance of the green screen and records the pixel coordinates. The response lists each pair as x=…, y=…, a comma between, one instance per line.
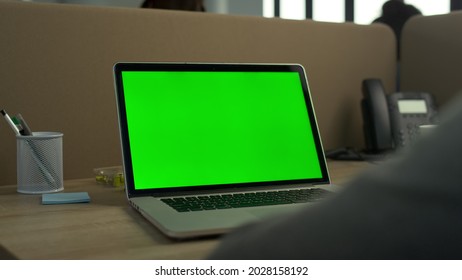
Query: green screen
x=208, y=128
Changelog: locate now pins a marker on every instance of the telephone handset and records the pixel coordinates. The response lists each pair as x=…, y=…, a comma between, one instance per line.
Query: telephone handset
x=392, y=121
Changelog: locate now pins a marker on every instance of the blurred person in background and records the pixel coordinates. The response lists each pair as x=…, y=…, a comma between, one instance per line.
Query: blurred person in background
x=185, y=5
x=395, y=13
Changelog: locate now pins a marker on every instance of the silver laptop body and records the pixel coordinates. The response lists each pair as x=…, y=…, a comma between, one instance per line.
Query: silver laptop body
x=194, y=130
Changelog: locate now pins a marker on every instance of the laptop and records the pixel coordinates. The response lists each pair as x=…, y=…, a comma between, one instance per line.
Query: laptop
x=208, y=147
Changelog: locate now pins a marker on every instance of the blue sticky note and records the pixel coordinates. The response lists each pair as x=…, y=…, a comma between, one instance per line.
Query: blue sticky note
x=64, y=198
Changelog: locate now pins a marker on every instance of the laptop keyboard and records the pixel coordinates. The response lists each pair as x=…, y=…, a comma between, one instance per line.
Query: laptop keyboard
x=239, y=200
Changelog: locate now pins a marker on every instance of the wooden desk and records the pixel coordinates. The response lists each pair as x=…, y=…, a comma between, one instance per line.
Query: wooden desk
x=105, y=228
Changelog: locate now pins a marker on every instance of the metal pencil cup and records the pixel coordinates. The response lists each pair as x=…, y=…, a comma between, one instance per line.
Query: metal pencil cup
x=40, y=163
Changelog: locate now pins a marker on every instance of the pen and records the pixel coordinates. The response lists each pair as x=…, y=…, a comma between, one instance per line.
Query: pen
x=18, y=125
x=10, y=122
x=46, y=172
x=25, y=127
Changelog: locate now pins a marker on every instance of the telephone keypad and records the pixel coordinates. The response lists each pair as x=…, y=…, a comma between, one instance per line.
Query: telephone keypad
x=409, y=132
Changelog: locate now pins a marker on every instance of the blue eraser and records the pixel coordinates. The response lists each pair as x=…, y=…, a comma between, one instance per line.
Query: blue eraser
x=65, y=198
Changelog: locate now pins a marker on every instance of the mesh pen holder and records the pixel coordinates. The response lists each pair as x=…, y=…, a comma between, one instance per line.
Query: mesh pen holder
x=40, y=163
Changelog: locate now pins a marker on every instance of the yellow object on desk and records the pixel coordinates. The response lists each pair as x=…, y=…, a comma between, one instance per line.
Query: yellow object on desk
x=113, y=176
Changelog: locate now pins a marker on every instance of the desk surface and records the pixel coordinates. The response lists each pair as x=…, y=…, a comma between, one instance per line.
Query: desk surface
x=105, y=228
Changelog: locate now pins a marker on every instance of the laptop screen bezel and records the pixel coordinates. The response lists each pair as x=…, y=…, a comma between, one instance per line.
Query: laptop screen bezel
x=119, y=68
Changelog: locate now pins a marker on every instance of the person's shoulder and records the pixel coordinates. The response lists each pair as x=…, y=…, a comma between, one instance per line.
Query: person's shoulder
x=379, y=20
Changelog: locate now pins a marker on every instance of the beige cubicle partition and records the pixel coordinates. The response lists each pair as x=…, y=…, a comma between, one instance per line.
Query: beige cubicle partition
x=56, y=68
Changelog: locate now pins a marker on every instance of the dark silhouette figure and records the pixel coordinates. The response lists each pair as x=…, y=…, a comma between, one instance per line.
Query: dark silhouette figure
x=185, y=5
x=395, y=13
x=408, y=208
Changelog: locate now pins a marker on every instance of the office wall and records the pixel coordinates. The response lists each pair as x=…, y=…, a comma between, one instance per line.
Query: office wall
x=431, y=56
x=239, y=7
x=120, y=3
x=115, y=3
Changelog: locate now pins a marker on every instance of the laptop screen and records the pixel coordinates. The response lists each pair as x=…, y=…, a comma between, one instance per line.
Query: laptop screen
x=186, y=125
